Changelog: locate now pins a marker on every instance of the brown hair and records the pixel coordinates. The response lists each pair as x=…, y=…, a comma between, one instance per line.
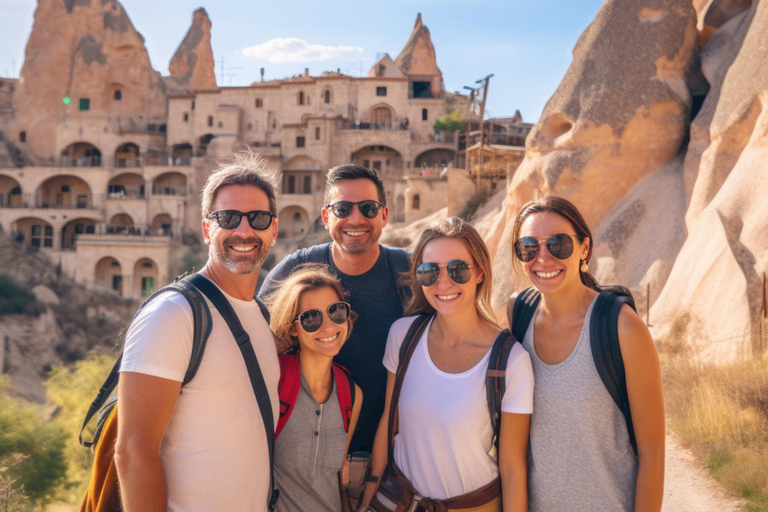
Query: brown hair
x=353, y=172
x=283, y=304
x=246, y=168
x=453, y=227
x=569, y=212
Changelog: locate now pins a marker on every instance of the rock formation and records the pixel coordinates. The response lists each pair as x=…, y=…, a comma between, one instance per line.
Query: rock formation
x=680, y=208
x=418, y=59
x=192, y=66
x=82, y=49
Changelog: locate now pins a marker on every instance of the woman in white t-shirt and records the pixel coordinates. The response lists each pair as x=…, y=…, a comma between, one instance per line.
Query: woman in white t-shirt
x=444, y=443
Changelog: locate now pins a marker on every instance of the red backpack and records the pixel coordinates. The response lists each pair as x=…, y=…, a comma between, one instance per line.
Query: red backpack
x=290, y=382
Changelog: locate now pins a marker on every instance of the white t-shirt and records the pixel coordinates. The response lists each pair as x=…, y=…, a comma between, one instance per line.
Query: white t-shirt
x=214, y=452
x=444, y=442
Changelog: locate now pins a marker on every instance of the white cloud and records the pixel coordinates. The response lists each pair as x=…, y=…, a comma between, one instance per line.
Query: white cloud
x=292, y=49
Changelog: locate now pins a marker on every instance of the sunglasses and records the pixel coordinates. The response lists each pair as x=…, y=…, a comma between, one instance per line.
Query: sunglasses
x=230, y=219
x=312, y=319
x=343, y=209
x=459, y=271
x=560, y=246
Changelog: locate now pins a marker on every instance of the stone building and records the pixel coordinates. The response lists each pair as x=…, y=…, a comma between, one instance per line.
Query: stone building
x=102, y=158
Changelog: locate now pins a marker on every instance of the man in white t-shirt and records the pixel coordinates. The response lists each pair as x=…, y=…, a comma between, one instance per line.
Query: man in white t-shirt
x=204, y=449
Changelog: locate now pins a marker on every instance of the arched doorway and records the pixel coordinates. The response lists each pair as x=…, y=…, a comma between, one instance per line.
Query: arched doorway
x=170, y=184
x=162, y=225
x=381, y=117
x=145, y=274
x=382, y=159
x=435, y=159
x=33, y=232
x=294, y=222
x=10, y=193
x=181, y=154
x=109, y=274
x=64, y=191
x=126, y=186
x=121, y=223
x=72, y=229
x=128, y=155
x=81, y=154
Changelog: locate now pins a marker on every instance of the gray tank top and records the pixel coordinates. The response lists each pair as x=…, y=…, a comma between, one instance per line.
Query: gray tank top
x=309, y=454
x=580, y=457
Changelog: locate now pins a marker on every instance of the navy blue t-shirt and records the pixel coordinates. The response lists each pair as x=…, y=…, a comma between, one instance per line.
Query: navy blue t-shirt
x=374, y=297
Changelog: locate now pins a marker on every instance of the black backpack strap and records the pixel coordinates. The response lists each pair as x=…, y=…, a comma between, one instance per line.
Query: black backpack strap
x=252, y=364
x=523, y=310
x=495, y=379
x=264, y=310
x=201, y=317
x=606, y=353
x=410, y=342
x=400, y=263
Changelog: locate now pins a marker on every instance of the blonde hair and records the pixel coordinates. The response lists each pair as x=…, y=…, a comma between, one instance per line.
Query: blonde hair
x=453, y=227
x=283, y=303
x=245, y=168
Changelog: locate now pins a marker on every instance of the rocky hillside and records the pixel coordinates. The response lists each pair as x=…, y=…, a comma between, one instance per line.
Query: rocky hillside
x=665, y=151
x=61, y=324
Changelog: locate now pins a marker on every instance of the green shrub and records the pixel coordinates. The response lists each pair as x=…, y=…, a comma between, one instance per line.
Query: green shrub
x=13, y=298
x=449, y=122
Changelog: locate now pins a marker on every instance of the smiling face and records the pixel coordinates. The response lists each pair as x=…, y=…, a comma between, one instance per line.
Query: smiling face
x=447, y=296
x=241, y=250
x=547, y=273
x=328, y=340
x=356, y=234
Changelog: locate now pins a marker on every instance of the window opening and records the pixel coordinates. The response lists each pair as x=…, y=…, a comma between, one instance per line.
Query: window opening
x=381, y=91
x=317, y=133
x=300, y=141
x=85, y=104
x=327, y=95
x=422, y=89
x=118, y=95
x=424, y=114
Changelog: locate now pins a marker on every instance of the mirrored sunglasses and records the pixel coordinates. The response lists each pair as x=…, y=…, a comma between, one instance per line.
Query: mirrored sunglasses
x=458, y=270
x=230, y=219
x=343, y=209
x=559, y=246
x=312, y=319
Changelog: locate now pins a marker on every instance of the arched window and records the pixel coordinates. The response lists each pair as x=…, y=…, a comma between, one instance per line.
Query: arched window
x=327, y=95
x=210, y=120
x=301, y=97
x=118, y=95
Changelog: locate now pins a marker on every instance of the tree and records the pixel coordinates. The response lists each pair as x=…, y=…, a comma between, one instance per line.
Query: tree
x=37, y=446
x=72, y=390
x=449, y=122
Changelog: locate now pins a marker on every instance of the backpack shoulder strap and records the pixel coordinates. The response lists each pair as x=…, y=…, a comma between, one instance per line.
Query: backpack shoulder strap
x=264, y=310
x=495, y=379
x=201, y=317
x=522, y=312
x=410, y=342
x=288, y=388
x=345, y=389
x=400, y=263
x=255, y=374
x=606, y=353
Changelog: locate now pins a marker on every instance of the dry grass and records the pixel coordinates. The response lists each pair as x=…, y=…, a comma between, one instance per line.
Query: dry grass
x=720, y=412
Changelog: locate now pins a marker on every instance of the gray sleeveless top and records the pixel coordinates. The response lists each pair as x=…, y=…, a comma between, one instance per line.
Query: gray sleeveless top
x=580, y=457
x=309, y=454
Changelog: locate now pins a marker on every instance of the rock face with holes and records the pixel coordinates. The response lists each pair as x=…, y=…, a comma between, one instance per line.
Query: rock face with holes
x=674, y=204
x=90, y=50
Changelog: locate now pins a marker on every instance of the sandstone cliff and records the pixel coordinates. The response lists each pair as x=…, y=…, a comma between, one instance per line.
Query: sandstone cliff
x=673, y=203
x=192, y=66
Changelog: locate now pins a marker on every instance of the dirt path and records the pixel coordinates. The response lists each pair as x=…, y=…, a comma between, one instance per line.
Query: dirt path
x=689, y=487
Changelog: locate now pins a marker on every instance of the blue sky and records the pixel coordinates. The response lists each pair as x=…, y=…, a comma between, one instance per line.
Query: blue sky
x=526, y=44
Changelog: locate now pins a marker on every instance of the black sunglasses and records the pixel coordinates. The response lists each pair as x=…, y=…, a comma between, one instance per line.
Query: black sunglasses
x=312, y=319
x=560, y=246
x=343, y=209
x=459, y=271
x=230, y=219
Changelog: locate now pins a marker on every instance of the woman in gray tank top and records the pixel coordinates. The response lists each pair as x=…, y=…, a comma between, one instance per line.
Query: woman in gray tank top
x=581, y=457
x=311, y=441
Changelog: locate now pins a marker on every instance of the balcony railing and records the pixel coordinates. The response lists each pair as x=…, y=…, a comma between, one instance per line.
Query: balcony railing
x=28, y=200
x=134, y=230
x=397, y=126
x=169, y=191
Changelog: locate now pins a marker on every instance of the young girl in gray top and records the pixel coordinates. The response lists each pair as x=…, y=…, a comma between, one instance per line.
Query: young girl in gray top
x=581, y=458
x=309, y=312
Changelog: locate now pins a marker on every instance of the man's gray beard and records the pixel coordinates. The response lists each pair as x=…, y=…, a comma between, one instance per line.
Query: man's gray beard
x=357, y=248
x=234, y=266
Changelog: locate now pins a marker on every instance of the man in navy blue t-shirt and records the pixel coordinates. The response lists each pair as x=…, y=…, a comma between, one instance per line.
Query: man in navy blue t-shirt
x=355, y=213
